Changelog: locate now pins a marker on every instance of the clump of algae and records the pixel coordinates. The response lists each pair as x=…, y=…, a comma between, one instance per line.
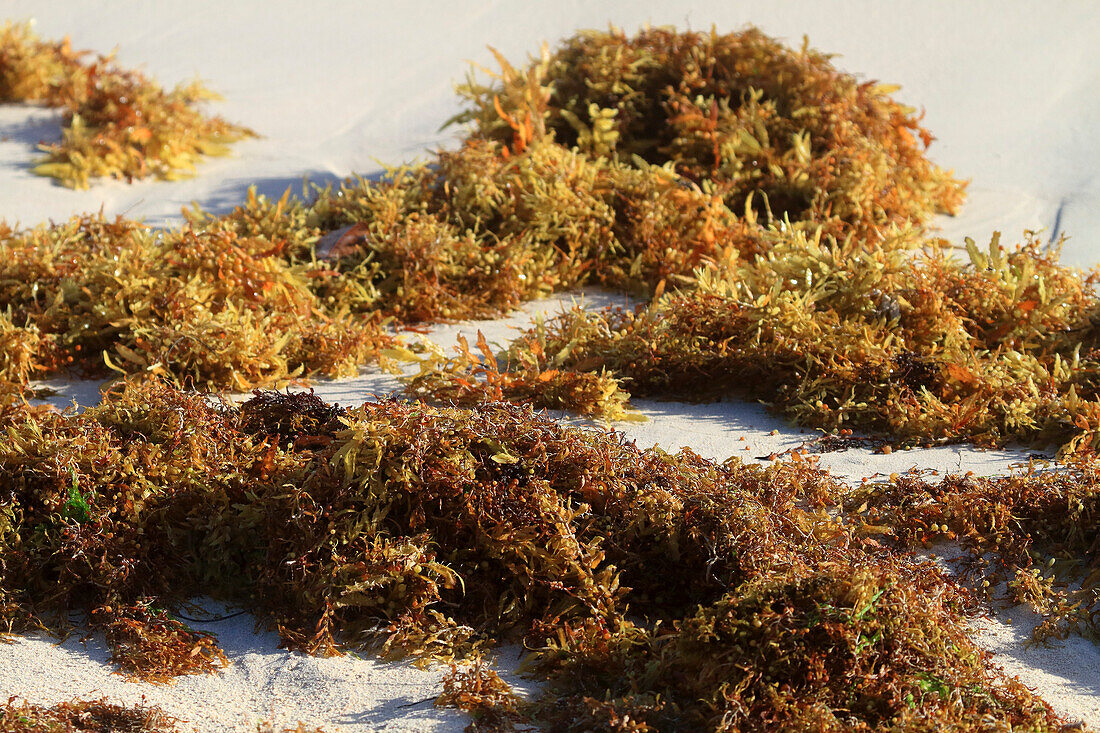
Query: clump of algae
x=118, y=123
x=431, y=531
x=480, y=692
x=664, y=589
x=199, y=308
x=740, y=114
x=83, y=716
x=902, y=339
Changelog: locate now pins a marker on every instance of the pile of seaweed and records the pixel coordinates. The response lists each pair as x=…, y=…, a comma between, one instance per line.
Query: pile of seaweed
x=768, y=207
x=118, y=122
x=198, y=308
x=83, y=716
x=900, y=338
x=470, y=233
x=100, y=716
x=657, y=591
x=843, y=313
x=781, y=132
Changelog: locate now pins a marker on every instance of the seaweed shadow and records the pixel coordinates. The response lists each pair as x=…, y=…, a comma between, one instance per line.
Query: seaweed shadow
x=234, y=191
x=22, y=128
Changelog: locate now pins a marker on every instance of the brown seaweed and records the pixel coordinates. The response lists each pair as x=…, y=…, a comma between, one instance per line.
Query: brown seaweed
x=118, y=122
x=665, y=589
x=83, y=716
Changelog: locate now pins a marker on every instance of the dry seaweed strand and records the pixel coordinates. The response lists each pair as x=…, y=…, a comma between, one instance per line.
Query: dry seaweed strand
x=432, y=531
x=118, y=123
x=83, y=716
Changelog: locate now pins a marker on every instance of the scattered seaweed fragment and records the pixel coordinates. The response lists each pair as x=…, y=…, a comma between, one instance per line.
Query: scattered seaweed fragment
x=479, y=692
x=118, y=123
x=1035, y=530
x=470, y=378
x=432, y=531
x=148, y=644
x=83, y=716
x=268, y=727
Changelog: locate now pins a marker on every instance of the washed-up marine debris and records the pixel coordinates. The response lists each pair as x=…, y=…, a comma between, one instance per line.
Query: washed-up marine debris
x=781, y=251
x=118, y=123
x=840, y=316
x=470, y=233
x=83, y=716
x=658, y=588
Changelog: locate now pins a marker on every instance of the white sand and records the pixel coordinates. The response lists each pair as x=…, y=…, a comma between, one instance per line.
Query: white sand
x=262, y=683
x=1010, y=89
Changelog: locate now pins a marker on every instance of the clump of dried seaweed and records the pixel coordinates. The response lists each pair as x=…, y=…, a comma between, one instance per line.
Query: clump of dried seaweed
x=199, y=308
x=474, y=233
x=1035, y=530
x=430, y=531
x=469, y=378
x=295, y=418
x=83, y=716
x=792, y=651
x=480, y=230
x=149, y=644
x=118, y=122
x=901, y=339
x=739, y=113
x=480, y=692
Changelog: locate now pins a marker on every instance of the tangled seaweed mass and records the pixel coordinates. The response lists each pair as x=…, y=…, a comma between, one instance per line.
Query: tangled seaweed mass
x=84, y=716
x=759, y=199
x=664, y=589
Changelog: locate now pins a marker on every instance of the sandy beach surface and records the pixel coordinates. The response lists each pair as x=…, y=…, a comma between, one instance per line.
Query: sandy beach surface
x=1009, y=88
